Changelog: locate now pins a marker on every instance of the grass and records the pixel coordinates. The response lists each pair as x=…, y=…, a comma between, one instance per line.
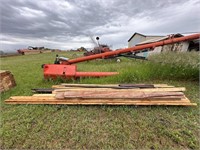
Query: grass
x=105, y=127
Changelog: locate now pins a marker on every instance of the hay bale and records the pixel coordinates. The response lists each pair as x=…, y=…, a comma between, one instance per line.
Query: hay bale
x=7, y=80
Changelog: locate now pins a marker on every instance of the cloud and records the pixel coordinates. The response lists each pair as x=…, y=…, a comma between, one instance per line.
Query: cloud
x=67, y=24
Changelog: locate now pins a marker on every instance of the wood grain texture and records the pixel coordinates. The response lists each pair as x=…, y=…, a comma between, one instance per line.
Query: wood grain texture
x=112, y=86
x=102, y=103
x=108, y=85
x=114, y=95
x=43, y=95
x=80, y=94
x=52, y=100
x=179, y=89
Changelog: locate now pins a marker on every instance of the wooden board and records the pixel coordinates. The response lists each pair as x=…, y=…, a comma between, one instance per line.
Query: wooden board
x=102, y=103
x=143, y=85
x=38, y=98
x=76, y=94
x=108, y=85
x=68, y=84
x=155, y=98
x=115, y=95
x=111, y=86
x=179, y=89
x=52, y=100
x=42, y=95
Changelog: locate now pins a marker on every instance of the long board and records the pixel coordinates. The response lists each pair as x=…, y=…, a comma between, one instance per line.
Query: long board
x=52, y=100
x=179, y=89
x=114, y=95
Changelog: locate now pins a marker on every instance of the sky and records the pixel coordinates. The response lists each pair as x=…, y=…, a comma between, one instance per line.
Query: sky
x=70, y=24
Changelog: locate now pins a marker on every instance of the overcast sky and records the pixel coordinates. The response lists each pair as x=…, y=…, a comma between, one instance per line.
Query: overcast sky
x=69, y=24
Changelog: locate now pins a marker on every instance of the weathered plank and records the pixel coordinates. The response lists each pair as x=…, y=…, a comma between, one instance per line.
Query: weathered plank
x=91, y=86
x=179, y=89
x=112, y=86
x=32, y=98
x=114, y=95
x=42, y=95
x=156, y=85
x=101, y=102
x=147, y=85
x=77, y=85
x=40, y=98
x=155, y=98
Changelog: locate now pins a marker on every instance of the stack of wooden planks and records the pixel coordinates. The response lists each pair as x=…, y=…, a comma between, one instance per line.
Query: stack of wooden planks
x=7, y=80
x=109, y=94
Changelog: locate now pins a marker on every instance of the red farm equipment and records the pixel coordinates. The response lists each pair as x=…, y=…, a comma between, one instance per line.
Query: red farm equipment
x=98, y=49
x=65, y=69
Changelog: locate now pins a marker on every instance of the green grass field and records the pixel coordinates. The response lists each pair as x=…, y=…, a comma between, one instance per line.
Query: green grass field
x=102, y=127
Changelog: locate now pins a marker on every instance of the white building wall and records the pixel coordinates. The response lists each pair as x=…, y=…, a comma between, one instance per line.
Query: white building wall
x=176, y=47
x=181, y=47
x=137, y=39
x=156, y=50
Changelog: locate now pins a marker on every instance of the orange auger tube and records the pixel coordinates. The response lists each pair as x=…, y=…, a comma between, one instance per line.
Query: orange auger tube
x=67, y=71
x=132, y=49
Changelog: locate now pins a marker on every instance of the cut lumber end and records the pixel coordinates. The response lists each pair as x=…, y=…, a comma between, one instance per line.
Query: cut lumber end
x=7, y=80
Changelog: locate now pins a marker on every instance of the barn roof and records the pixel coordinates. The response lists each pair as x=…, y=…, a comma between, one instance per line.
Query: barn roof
x=143, y=35
x=159, y=39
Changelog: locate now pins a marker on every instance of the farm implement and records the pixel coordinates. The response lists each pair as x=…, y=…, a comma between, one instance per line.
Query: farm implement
x=65, y=68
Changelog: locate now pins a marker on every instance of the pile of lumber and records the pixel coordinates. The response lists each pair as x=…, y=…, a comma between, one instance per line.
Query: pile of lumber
x=110, y=94
x=7, y=80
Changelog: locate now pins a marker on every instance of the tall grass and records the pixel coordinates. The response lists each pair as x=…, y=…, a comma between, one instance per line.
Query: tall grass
x=164, y=66
x=178, y=59
x=178, y=65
